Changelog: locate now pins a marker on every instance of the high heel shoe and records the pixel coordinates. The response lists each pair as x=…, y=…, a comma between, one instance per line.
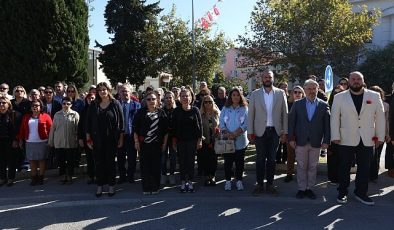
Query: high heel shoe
x=111, y=191
x=99, y=191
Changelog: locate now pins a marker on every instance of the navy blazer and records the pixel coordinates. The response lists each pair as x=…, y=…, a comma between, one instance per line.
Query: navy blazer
x=303, y=131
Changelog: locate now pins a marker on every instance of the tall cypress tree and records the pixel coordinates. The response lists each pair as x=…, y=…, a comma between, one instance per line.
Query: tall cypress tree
x=43, y=41
x=127, y=58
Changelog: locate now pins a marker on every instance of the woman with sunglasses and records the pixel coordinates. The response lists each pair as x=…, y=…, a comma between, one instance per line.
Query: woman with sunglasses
x=20, y=102
x=150, y=127
x=51, y=105
x=296, y=94
x=233, y=123
x=90, y=97
x=104, y=135
x=9, y=126
x=77, y=103
x=34, y=131
x=210, y=125
x=63, y=138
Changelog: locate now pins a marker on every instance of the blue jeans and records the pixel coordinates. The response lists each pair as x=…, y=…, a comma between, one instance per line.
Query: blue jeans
x=128, y=150
x=266, y=147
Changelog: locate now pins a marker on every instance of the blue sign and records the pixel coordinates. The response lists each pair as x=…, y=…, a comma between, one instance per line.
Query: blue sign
x=329, y=79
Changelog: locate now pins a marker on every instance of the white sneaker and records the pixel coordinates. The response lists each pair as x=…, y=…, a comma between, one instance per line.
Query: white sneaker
x=172, y=180
x=239, y=185
x=163, y=179
x=227, y=185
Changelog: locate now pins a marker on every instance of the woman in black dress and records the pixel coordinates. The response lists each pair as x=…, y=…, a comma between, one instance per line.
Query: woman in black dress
x=104, y=135
x=150, y=127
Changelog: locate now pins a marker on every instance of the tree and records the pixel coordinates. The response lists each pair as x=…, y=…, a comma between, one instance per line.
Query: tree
x=43, y=41
x=378, y=68
x=177, y=47
x=308, y=35
x=128, y=58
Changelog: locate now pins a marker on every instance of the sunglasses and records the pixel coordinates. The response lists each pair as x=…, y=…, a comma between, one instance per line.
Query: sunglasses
x=70, y=91
x=343, y=83
x=3, y=88
x=151, y=99
x=66, y=103
x=48, y=92
x=297, y=92
x=19, y=91
x=207, y=102
x=3, y=102
x=35, y=105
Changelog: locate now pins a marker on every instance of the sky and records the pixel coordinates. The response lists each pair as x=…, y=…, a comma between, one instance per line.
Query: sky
x=234, y=16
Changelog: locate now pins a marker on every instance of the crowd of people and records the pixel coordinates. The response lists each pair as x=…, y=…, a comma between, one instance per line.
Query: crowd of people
x=171, y=130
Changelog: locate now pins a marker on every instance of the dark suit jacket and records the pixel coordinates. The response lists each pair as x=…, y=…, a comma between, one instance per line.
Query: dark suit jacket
x=56, y=107
x=303, y=131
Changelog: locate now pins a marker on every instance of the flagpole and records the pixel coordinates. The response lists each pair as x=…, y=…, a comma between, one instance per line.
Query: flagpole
x=193, y=50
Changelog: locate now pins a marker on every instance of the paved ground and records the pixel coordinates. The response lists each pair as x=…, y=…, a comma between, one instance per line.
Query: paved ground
x=56, y=206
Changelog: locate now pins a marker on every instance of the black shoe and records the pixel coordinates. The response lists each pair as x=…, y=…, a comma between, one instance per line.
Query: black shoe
x=121, y=180
x=270, y=189
x=300, y=194
x=90, y=181
x=364, y=199
x=40, y=180
x=342, y=199
x=212, y=182
x=65, y=180
x=258, y=190
x=99, y=191
x=34, y=180
x=10, y=183
x=131, y=180
x=310, y=194
x=288, y=178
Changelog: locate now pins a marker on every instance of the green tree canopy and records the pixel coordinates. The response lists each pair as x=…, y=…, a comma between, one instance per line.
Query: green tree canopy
x=308, y=35
x=378, y=68
x=43, y=41
x=130, y=57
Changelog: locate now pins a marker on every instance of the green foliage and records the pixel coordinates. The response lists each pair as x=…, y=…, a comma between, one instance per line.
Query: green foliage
x=131, y=55
x=378, y=68
x=228, y=83
x=307, y=35
x=177, y=48
x=43, y=41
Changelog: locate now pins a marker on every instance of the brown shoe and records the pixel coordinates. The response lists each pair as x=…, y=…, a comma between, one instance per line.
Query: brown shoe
x=391, y=173
x=258, y=190
x=272, y=190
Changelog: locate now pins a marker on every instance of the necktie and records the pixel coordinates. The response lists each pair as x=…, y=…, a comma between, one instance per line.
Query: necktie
x=125, y=117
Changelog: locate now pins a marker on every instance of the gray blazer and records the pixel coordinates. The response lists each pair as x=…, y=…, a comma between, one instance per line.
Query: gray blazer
x=303, y=131
x=257, y=115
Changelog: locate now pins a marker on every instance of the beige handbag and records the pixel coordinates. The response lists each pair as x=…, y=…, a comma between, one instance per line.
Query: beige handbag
x=223, y=146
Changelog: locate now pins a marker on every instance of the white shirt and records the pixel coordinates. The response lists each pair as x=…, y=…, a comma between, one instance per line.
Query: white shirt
x=49, y=108
x=269, y=101
x=33, y=131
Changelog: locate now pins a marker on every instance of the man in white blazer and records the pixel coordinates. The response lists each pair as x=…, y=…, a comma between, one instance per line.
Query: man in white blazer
x=267, y=125
x=357, y=125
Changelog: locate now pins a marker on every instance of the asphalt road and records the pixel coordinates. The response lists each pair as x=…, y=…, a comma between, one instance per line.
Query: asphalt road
x=56, y=206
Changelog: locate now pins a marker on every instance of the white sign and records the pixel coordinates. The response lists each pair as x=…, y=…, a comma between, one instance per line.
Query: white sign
x=329, y=79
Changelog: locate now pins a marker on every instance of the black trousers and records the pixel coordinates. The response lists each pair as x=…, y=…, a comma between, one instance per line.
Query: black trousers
x=266, y=147
x=8, y=159
x=239, y=159
x=129, y=153
x=332, y=163
x=91, y=165
x=187, y=153
x=150, y=160
x=389, y=157
x=66, y=160
x=209, y=160
x=363, y=156
x=104, y=157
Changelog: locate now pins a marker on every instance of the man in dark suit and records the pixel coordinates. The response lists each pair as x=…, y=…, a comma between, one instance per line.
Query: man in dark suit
x=309, y=130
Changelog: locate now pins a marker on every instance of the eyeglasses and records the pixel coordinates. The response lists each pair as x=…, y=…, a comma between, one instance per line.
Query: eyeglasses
x=3, y=88
x=48, y=92
x=151, y=99
x=207, y=102
x=66, y=103
x=35, y=105
x=297, y=92
x=343, y=83
x=3, y=102
x=19, y=91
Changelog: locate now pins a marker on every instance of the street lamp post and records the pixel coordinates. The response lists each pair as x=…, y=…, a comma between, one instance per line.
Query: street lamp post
x=193, y=50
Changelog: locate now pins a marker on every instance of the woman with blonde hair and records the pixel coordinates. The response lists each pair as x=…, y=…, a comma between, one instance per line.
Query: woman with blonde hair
x=210, y=125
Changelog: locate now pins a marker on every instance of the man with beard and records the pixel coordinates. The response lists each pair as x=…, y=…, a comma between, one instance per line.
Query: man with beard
x=267, y=125
x=357, y=125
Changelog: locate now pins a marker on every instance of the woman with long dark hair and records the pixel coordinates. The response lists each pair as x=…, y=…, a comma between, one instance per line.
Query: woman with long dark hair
x=233, y=123
x=104, y=135
x=34, y=130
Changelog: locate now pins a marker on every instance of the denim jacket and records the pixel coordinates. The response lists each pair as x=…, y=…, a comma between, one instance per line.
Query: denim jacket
x=233, y=118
